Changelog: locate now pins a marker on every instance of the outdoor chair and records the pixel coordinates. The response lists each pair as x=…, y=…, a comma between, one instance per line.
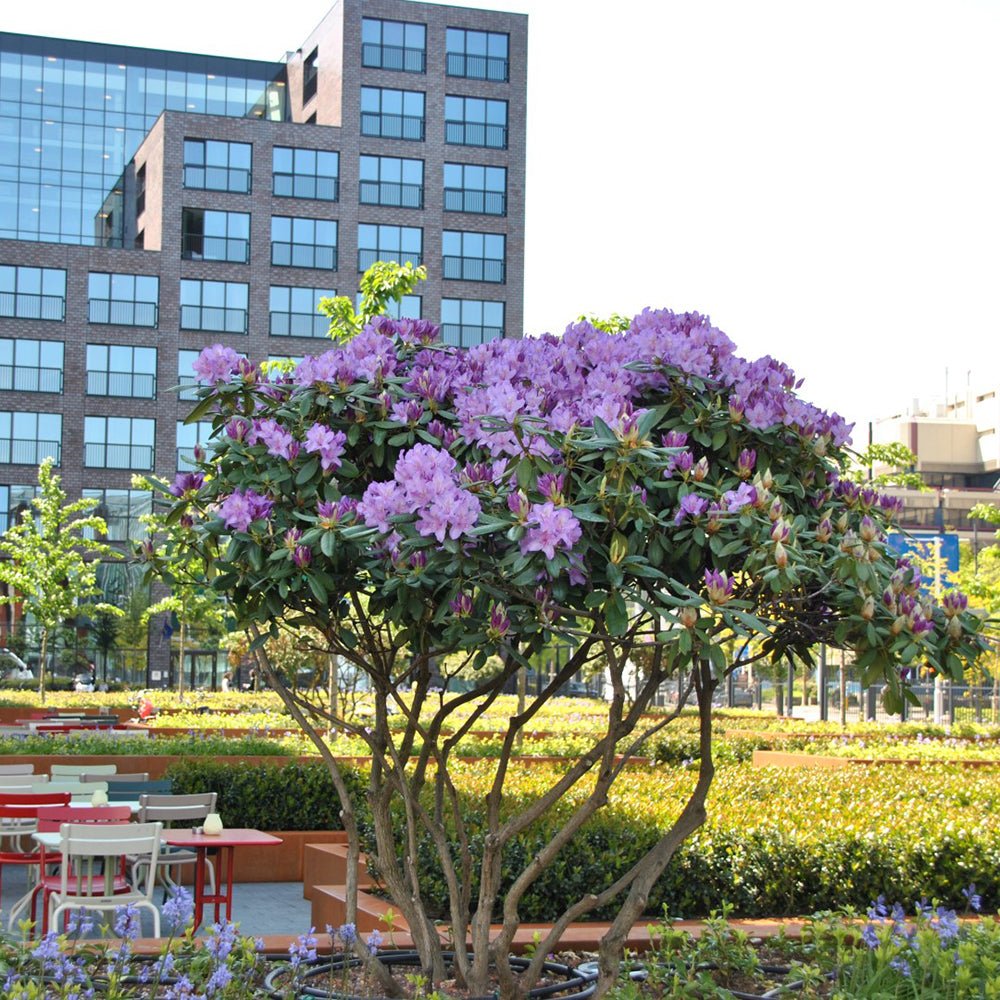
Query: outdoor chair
x=10, y=782
x=9, y=769
x=128, y=791
x=79, y=790
x=49, y=819
x=94, y=856
x=176, y=810
x=112, y=779
x=75, y=770
x=18, y=820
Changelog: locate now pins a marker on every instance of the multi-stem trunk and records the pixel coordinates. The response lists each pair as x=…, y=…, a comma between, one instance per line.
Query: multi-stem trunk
x=180, y=663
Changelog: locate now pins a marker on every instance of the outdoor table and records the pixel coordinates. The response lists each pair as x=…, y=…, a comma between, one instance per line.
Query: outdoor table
x=226, y=843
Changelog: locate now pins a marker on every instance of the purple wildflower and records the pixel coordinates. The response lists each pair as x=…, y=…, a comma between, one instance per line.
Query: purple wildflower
x=692, y=506
x=216, y=364
x=239, y=510
x=550, y=527
x=187, y=482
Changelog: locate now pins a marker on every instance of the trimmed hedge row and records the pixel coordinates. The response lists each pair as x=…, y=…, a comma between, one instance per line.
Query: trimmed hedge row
x=776, y=843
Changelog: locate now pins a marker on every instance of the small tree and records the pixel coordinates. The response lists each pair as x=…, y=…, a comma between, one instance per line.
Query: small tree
x=897, y=463
x=48, y=561
x=384, y=282
x=175, y=561
x=649, y=489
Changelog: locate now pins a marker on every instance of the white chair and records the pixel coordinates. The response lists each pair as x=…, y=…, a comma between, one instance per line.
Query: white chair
x=22, y=782
x=170, y=810
x=81, y=791
x=8, y=769
x=75, y=770
x=92, y=856
x=112, y=778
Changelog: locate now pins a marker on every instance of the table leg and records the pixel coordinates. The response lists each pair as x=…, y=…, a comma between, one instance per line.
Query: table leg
x=224, y=891
x=199, y=886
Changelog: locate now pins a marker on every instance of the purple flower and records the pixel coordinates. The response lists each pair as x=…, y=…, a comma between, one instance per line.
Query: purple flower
x=374, y=942
x=408, y=411
x=674, y=439
x=718, y=586
x=302, y=556
x=216, y=364
x=736, y=501
x=499, y=622
x=973, y=898
x=518, y=505
x=550, y=485
x=303, y=948
x=681, y=462
x=461, y=606
x=279, y=442
x=692, y=506
x=550, y=527
x=178, y=909
x=239, y=510
x=746, y=462
x=348, y=934
x=238, y=428
x=187, y=482
x=329, y=444
x=331, y=514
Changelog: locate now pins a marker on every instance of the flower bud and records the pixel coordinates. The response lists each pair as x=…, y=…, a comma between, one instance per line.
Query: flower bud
x=843, y=522
x=824, y=530
x=780, y=531
x=898, y=625
x=736, y=408
x=867, y=529
x=700, y=471
x=774, y=511
x=955, y=628
x=619, y=547
x=780, y=555
x=868, y=608
x=688, y=617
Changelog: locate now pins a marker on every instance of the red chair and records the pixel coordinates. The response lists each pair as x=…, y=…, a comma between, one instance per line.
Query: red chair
x=18, y=820
x=50, y=820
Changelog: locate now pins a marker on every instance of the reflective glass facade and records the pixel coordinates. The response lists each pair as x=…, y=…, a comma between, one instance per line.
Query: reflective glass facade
x=72, y=114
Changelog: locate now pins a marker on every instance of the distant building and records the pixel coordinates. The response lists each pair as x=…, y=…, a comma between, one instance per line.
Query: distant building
x=153, y=202
x=957, y=444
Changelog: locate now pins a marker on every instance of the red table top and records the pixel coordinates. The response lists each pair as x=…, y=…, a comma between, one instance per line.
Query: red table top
x=231, y=837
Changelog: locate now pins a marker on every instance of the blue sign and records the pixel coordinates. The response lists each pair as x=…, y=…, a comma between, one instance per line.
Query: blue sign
x=923, y=545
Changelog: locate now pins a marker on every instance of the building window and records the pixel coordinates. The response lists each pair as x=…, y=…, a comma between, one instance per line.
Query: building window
x=466, y=322
x=310, y=76
x=27, y=438
x=293, y=311
x=121, y=510
x=398, y=243
x=474, y=256
x=216, y=306
x=140, y=198
x=304, y=242
x=123, y=299
x=392, y=114
x=31, y=365
x=476, y=55
x=393, y=45
x=389, y=180
x=469, y=187
x=211, y=235
x=13, y=499
x=189, y=436
x=119, y=443
x=117, y=370
x=305, y=173
x=408, y=307
x=217, y=166
x=475, y=121
x=32, y=292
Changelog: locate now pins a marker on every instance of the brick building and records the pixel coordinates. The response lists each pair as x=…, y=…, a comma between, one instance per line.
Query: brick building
x=155, y=202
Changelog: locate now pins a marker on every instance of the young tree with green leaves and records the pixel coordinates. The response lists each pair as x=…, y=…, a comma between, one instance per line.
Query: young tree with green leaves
x=49, y=564
x=174, y=561
x=384, y=282
x=897, y=461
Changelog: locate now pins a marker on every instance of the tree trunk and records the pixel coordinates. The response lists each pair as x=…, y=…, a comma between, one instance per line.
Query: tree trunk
x=180, y=663
x=331, y=680
x=42, y=654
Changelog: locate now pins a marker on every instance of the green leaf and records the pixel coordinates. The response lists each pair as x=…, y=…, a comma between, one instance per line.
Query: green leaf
x=307, y=472
x=616, y=615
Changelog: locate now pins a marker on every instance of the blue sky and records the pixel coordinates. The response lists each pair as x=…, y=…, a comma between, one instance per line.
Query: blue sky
x=822, y=179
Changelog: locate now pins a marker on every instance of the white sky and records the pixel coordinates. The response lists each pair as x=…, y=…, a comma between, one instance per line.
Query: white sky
x=821, y=178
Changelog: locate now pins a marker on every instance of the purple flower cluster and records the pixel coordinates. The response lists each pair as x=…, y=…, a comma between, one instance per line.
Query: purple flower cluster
x=550, y=527
x=240, y=509
x=426, y=484
x=328, y=444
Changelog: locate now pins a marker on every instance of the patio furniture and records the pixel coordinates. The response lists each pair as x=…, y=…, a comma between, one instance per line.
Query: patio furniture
x=172, y=810
x=18, y=820
x=8, y=769
x=134, y=789
x=94, y=857
x=75, y=770
x=111, y=779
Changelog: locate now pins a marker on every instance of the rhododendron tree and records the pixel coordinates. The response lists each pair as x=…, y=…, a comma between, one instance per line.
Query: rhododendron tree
x=645, y=490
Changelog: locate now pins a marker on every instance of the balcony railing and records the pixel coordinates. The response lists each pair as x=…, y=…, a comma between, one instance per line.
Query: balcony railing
x=185, y=458
x=123, y=313
x=25, y=378
x=216, y=319
x=464, y=335
x=297, y=324
x=307, y=186
x=475, y=269
x=187, y=387
x=475, y=134
x=140, y=385
x=303, y=255
x=368, y=257
x=392, y=193
x=226, y=248
x=235, y=179
x=27, y=305
x=392, y=126
x=97, y=455
x=403, y=58
x=476, y=202
x=28, y=451
x=473, y=67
